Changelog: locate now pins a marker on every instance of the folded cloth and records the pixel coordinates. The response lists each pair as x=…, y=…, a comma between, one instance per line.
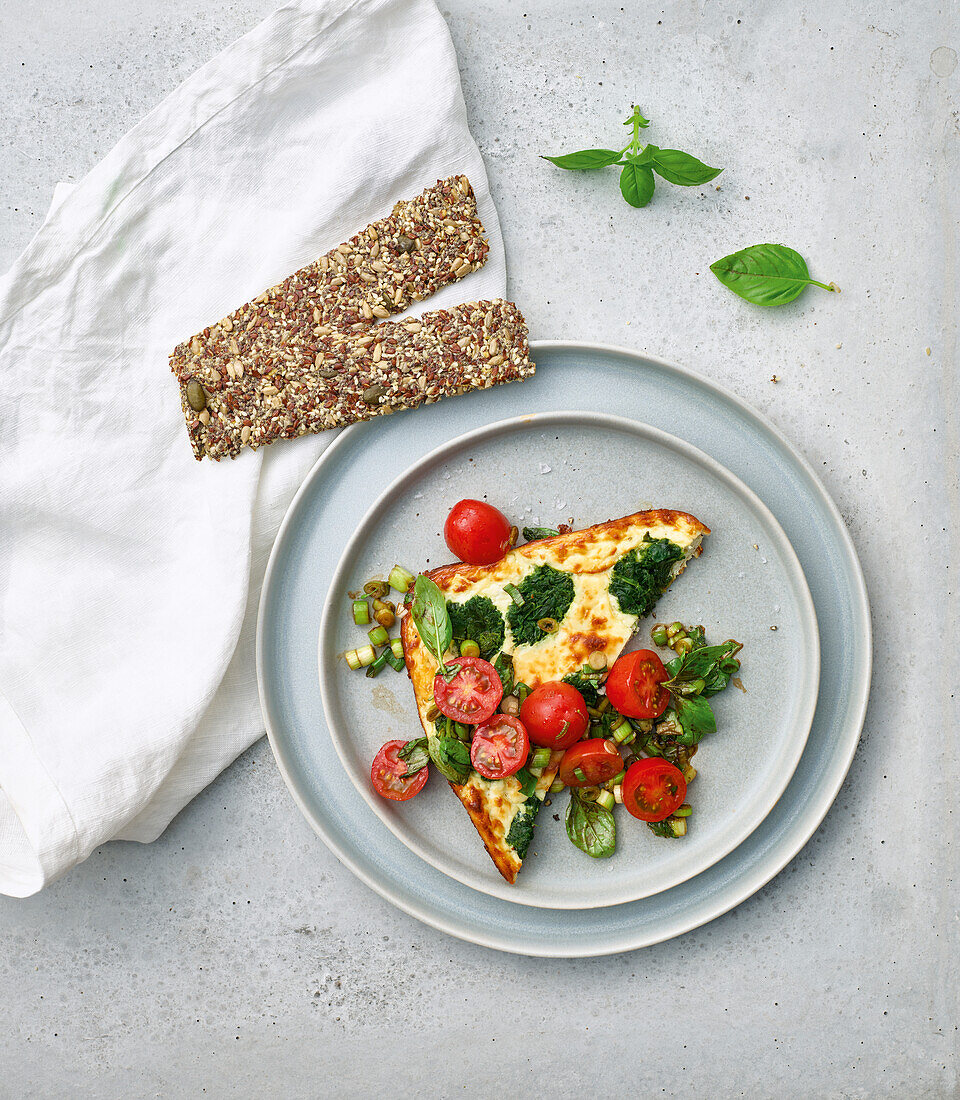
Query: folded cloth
x=129, y=573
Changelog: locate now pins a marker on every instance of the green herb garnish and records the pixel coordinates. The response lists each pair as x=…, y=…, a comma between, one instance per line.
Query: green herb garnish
x=531, y=534
x=638, y=163
x=431, y=619
x=591, y=827
x=416, y=754
x=766, y=274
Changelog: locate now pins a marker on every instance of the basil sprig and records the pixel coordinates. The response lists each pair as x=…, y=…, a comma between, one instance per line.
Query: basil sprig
x=432, y=620
x=638, y=162
x=591, y=827
x=766, y=274
x=695, y=676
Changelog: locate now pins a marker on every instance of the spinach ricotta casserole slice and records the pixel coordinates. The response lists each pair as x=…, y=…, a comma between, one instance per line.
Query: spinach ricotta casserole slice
x=559, y=608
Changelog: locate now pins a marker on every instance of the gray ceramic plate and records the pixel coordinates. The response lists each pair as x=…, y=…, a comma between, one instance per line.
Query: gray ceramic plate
x=584, y=467
x=347, y=480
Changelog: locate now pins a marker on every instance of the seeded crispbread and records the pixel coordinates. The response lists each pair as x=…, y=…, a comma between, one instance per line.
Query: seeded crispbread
x=341, y=377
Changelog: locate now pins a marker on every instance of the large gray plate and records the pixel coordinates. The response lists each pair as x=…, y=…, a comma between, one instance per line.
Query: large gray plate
x=325, y=513
x=585, y=467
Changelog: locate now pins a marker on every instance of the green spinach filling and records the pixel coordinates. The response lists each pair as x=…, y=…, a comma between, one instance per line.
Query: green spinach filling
x=479, y=620
x=547, y=594
x=521, y=828
x=641, y=575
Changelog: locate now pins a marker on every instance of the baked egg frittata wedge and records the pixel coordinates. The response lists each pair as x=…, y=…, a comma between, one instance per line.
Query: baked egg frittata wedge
x=596, y=585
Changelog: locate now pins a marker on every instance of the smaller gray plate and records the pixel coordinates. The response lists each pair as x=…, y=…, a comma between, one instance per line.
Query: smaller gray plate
x=587, y=467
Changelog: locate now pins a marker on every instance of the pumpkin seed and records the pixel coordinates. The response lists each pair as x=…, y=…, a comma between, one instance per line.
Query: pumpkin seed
x=406, y=244
x=196, y=398
x=372, y=394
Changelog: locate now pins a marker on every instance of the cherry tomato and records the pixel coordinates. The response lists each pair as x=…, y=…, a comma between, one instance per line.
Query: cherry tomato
x=388, y=774
x=653, y=789
x=596, y=760
x=472, y=695
x=476, y=532
x=555, y=715
x=500, y=747
x=634, y=686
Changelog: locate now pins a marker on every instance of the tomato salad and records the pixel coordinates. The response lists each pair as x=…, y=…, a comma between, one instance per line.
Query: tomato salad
x=627, y=734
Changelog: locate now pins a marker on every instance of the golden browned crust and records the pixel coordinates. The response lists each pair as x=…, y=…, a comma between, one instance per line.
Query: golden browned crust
x=507, y=861
x=561, y=548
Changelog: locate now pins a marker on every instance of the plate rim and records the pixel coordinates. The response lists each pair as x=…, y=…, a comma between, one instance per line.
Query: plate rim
x=474, y=879
x=747, y=883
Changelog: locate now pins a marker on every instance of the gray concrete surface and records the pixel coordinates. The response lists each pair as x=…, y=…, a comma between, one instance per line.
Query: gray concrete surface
x=235, y=957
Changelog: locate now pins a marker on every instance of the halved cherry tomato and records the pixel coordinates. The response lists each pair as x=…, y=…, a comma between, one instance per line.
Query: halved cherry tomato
x=634, y=686
x=476, y=532
x=389, y=774
x=596, y=760
x=555, y=715
x=653, y=789
x=500, y=747
x=472, y=695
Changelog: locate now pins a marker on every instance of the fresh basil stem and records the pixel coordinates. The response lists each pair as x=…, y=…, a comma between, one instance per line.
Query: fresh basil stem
x=638, y=162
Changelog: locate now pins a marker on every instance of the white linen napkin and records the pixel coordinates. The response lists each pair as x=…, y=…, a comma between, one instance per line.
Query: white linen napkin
x=129, y=572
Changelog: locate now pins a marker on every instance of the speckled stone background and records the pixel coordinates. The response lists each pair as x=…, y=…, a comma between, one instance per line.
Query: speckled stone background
x=235, y=957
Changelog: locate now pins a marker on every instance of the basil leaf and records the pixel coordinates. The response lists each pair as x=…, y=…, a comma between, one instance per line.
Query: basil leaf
x=530, y=534
x=680, y=168
x=636, y=182
x=527, y=781
x=695, y=716
x=430, y=617
x=416, y=754
x=503, y=664
x=766, y=274
x=586, y=159
x=451, y=757
x=591, y=827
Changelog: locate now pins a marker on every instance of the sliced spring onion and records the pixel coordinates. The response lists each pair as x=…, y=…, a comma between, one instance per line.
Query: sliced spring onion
x=396, y=663
x=683, y=811
x=361, y=612
x=623, y=732
x=579, y=775
x=540, y=758
x=535, y=771
x=603, y=705
x=678, y=826
x=378, y=663
x=400, y=578
x=659, y=635
x=513, y=592
x=377, y=589
x=589, y=794
x=378, y=636
x=606, y=800
x=469, y=648
x=521, y=691
x=557, y=786
x=618, y=794
x=689, y=773
x=548, y=625
x=617, y=780
x=385, y=617
x=396, y=646
x=597, y=661
x=360, y=657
